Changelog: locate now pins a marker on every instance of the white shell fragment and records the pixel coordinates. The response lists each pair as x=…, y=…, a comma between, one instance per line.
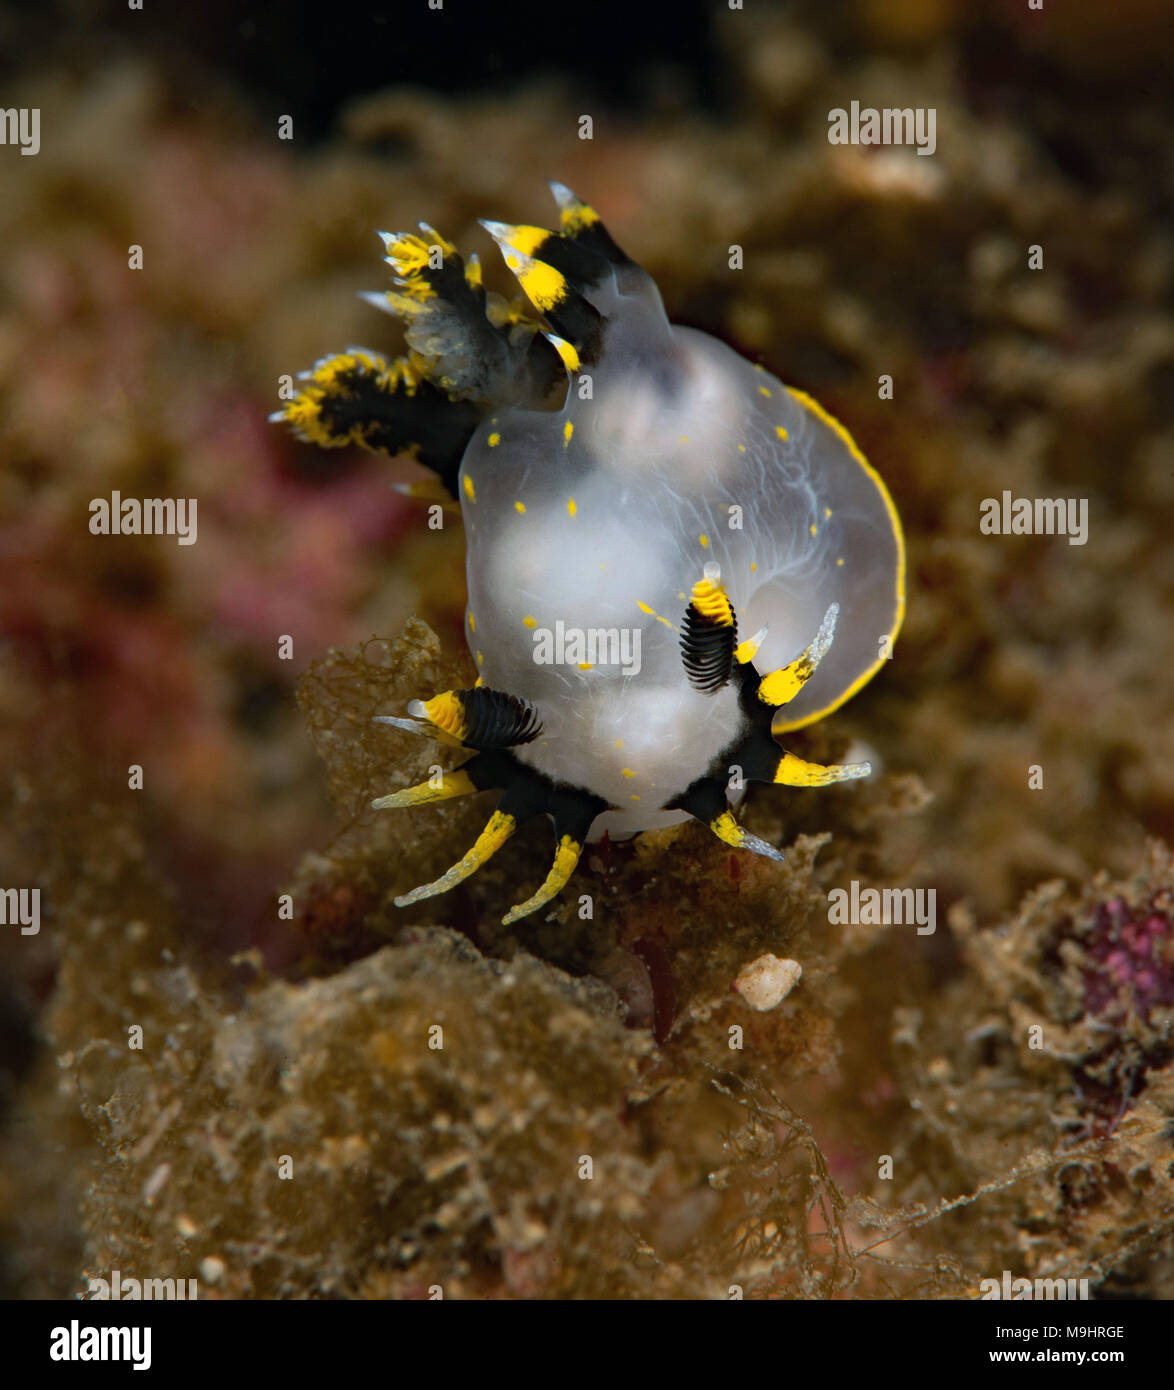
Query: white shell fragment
x=767, y=981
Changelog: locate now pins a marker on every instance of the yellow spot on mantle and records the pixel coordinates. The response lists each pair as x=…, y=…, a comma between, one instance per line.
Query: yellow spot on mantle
x=827, y=512
x=528, y=621
x=519, y=507
x=494, y=440
x=480, y=658
x=568, y=430
x=571, y=507
x=840, y=561
x=468, y=486
x=812, y=528
x=703, y=539
x=619, y=743
x=472, y=622
x=741, y=448
x=627, y=771
x=753, y=566
x=644, y=608
x=782, y=433
x=764, y=390
x=586, y=665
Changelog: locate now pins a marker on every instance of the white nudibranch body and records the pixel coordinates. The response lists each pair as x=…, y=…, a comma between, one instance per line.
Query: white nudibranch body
x=672, y=557
x=683, y=456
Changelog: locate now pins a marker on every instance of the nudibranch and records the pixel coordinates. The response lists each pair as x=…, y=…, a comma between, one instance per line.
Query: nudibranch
x=671, y=556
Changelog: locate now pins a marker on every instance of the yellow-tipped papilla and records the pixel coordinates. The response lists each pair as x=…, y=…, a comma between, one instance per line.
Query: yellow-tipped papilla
x=544, y=286
x=781, y=686
x=454, y=783
x=727, y=829
x=796, y=772
x=565, y=350
x=746, y=651
x=497, y=831
x=441, y=718
x=565, y=859
x=574, y=214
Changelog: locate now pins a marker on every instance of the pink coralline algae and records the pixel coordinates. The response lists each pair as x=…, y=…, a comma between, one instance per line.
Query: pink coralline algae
x=1130, y=961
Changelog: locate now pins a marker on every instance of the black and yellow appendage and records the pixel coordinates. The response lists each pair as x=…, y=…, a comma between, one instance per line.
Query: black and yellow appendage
x=444, y=788
x=359, y=398
x=759, y=755
x=480, y=718
x=709, y=634
x=499, y=829
x=470, y=352
x=754, y=753
x=559, y=271
x=492, y=723
x=465, y=357
x=780, y=687
x=566, y=860
x=553, y=271
x=705, y=800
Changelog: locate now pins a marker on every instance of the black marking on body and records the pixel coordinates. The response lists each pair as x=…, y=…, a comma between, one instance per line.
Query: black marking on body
x=531, y=793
